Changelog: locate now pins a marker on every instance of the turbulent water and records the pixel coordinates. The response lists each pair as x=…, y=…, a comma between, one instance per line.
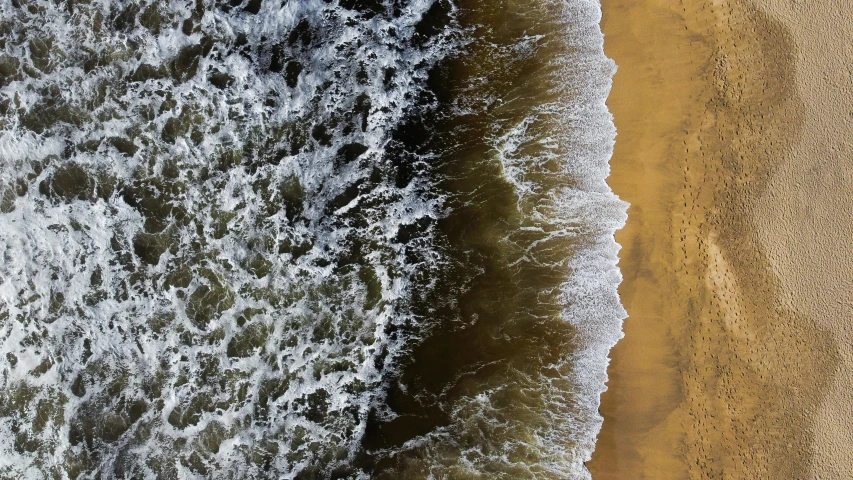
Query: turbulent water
x=304, y=238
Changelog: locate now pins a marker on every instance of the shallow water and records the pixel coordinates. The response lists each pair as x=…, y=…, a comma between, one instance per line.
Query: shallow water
x=307, y=239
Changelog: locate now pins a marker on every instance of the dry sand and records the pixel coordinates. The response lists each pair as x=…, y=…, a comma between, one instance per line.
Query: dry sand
x=734, y=149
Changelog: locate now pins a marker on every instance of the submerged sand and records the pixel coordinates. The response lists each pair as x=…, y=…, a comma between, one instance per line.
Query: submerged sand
x=734, y=147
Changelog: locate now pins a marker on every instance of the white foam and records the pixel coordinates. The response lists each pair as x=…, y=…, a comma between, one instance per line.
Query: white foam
x=52, y=246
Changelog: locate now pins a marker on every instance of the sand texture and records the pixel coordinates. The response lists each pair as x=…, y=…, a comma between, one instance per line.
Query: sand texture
x=805, y=216
x=734, y=149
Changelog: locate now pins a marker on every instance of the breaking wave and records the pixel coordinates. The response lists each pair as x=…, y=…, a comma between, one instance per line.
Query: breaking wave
x=304, y=239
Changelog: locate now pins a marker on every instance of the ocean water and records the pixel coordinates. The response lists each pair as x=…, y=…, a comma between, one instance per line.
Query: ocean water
x=304, y=238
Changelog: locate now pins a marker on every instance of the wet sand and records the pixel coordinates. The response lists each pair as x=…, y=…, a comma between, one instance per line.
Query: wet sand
x=733, y=147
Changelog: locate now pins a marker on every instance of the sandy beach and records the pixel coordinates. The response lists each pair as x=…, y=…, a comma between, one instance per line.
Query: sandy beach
x=734, y=145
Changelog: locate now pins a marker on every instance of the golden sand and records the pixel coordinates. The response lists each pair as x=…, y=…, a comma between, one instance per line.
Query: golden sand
x=738, y=314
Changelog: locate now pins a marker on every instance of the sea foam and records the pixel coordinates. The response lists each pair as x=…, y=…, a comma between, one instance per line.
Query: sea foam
x=201, y=275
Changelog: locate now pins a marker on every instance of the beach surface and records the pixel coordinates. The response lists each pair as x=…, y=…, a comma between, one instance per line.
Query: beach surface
x=734, y=123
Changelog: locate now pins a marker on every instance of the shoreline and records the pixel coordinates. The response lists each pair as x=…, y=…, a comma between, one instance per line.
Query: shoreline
x=721, y=371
